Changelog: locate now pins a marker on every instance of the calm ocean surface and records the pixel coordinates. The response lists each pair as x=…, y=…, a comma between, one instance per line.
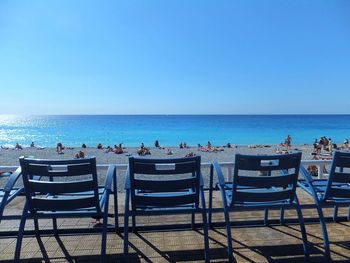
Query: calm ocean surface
x=170, y=130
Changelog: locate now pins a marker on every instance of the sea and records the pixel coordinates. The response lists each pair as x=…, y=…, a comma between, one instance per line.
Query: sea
x=169, y=130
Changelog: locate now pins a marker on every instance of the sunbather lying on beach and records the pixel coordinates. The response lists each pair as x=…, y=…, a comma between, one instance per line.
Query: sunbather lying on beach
x=190, y=154
x=18, y=147
x=119, y=149
x=80, y=155
x=143, y=150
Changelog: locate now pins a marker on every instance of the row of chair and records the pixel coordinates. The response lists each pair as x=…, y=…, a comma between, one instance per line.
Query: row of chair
x=174, y=186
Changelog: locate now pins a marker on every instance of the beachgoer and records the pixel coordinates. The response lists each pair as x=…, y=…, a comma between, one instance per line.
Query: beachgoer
x=288, y=142
x=143, y=151
x=80, y=155
x=99, y=146
x=83, y=145
x=209, y=145
x=156, y=144
x=32, y=145
x=59, y=148
x=330, y=145
x=229, y=145
x=325, y=142
x=169, y=151
x=190, y=154
x=181, y=146
x=119, y=149
x=18, y=146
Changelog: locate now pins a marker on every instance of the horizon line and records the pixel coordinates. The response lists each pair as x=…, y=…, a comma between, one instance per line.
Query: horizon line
x=181, y=114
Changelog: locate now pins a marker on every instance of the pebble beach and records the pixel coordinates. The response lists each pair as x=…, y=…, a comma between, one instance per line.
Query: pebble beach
x=9, y=157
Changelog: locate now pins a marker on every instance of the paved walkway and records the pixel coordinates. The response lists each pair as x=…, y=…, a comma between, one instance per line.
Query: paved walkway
x=251, y=244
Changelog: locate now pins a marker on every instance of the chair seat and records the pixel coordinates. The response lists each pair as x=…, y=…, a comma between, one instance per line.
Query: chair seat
x=228, y=193
x=320, y=186
x=167, y=210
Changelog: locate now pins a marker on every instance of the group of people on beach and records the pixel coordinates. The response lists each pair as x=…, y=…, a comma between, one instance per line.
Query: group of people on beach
x=324, y=143
x=143, y=150
x=117, y=149
x=287, y=142
x=210, y=148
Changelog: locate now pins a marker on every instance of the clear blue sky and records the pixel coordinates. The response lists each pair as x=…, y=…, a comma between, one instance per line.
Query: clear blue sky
x=174, y=57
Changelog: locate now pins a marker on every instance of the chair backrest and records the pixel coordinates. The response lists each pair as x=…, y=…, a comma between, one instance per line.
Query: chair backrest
x=263, y=178
x=60, y=185
x=164, y=182
x=339, y=177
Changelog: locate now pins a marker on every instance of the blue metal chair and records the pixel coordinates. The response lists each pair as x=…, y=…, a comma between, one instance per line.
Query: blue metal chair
x=64, y=189
x=164, y=186
x=9, y=192
x=334, y=191
x=275, y=187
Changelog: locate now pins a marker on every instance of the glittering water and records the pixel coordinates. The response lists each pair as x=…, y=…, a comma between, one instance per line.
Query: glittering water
x=170, y=130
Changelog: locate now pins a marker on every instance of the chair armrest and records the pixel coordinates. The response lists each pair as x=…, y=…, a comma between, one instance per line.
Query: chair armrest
x=13, y=179
x=306, y=175
x=127, y=180
x=111, y=173
x=219, y=173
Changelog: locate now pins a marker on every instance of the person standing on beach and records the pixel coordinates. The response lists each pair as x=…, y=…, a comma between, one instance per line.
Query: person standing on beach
x=59, y=148
x=288, y=142
x=330, y=145
x=156, y=144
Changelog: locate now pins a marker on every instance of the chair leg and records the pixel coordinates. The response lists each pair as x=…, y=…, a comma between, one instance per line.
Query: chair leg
x=211, y=195
x=302, y=228
x=349, y=213
x=21, y=233
x=335, y=213
x=115, y=196
x=54, y=224
x=133, y=219
x=266, y=217
x=282, y=222
x=228, y=234
x=324, y=230
x=126, y=227
x=104, y=236
x=205, y=228
x=206, y=236
x=193, y=219
x=36, y=227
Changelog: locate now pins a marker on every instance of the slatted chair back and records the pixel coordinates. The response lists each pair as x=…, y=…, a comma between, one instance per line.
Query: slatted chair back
x=338, y=186
x=274, y=178
x=48, y=188
x=164, y=182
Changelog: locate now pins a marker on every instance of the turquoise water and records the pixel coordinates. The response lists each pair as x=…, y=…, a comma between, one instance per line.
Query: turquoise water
x=170, y=130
